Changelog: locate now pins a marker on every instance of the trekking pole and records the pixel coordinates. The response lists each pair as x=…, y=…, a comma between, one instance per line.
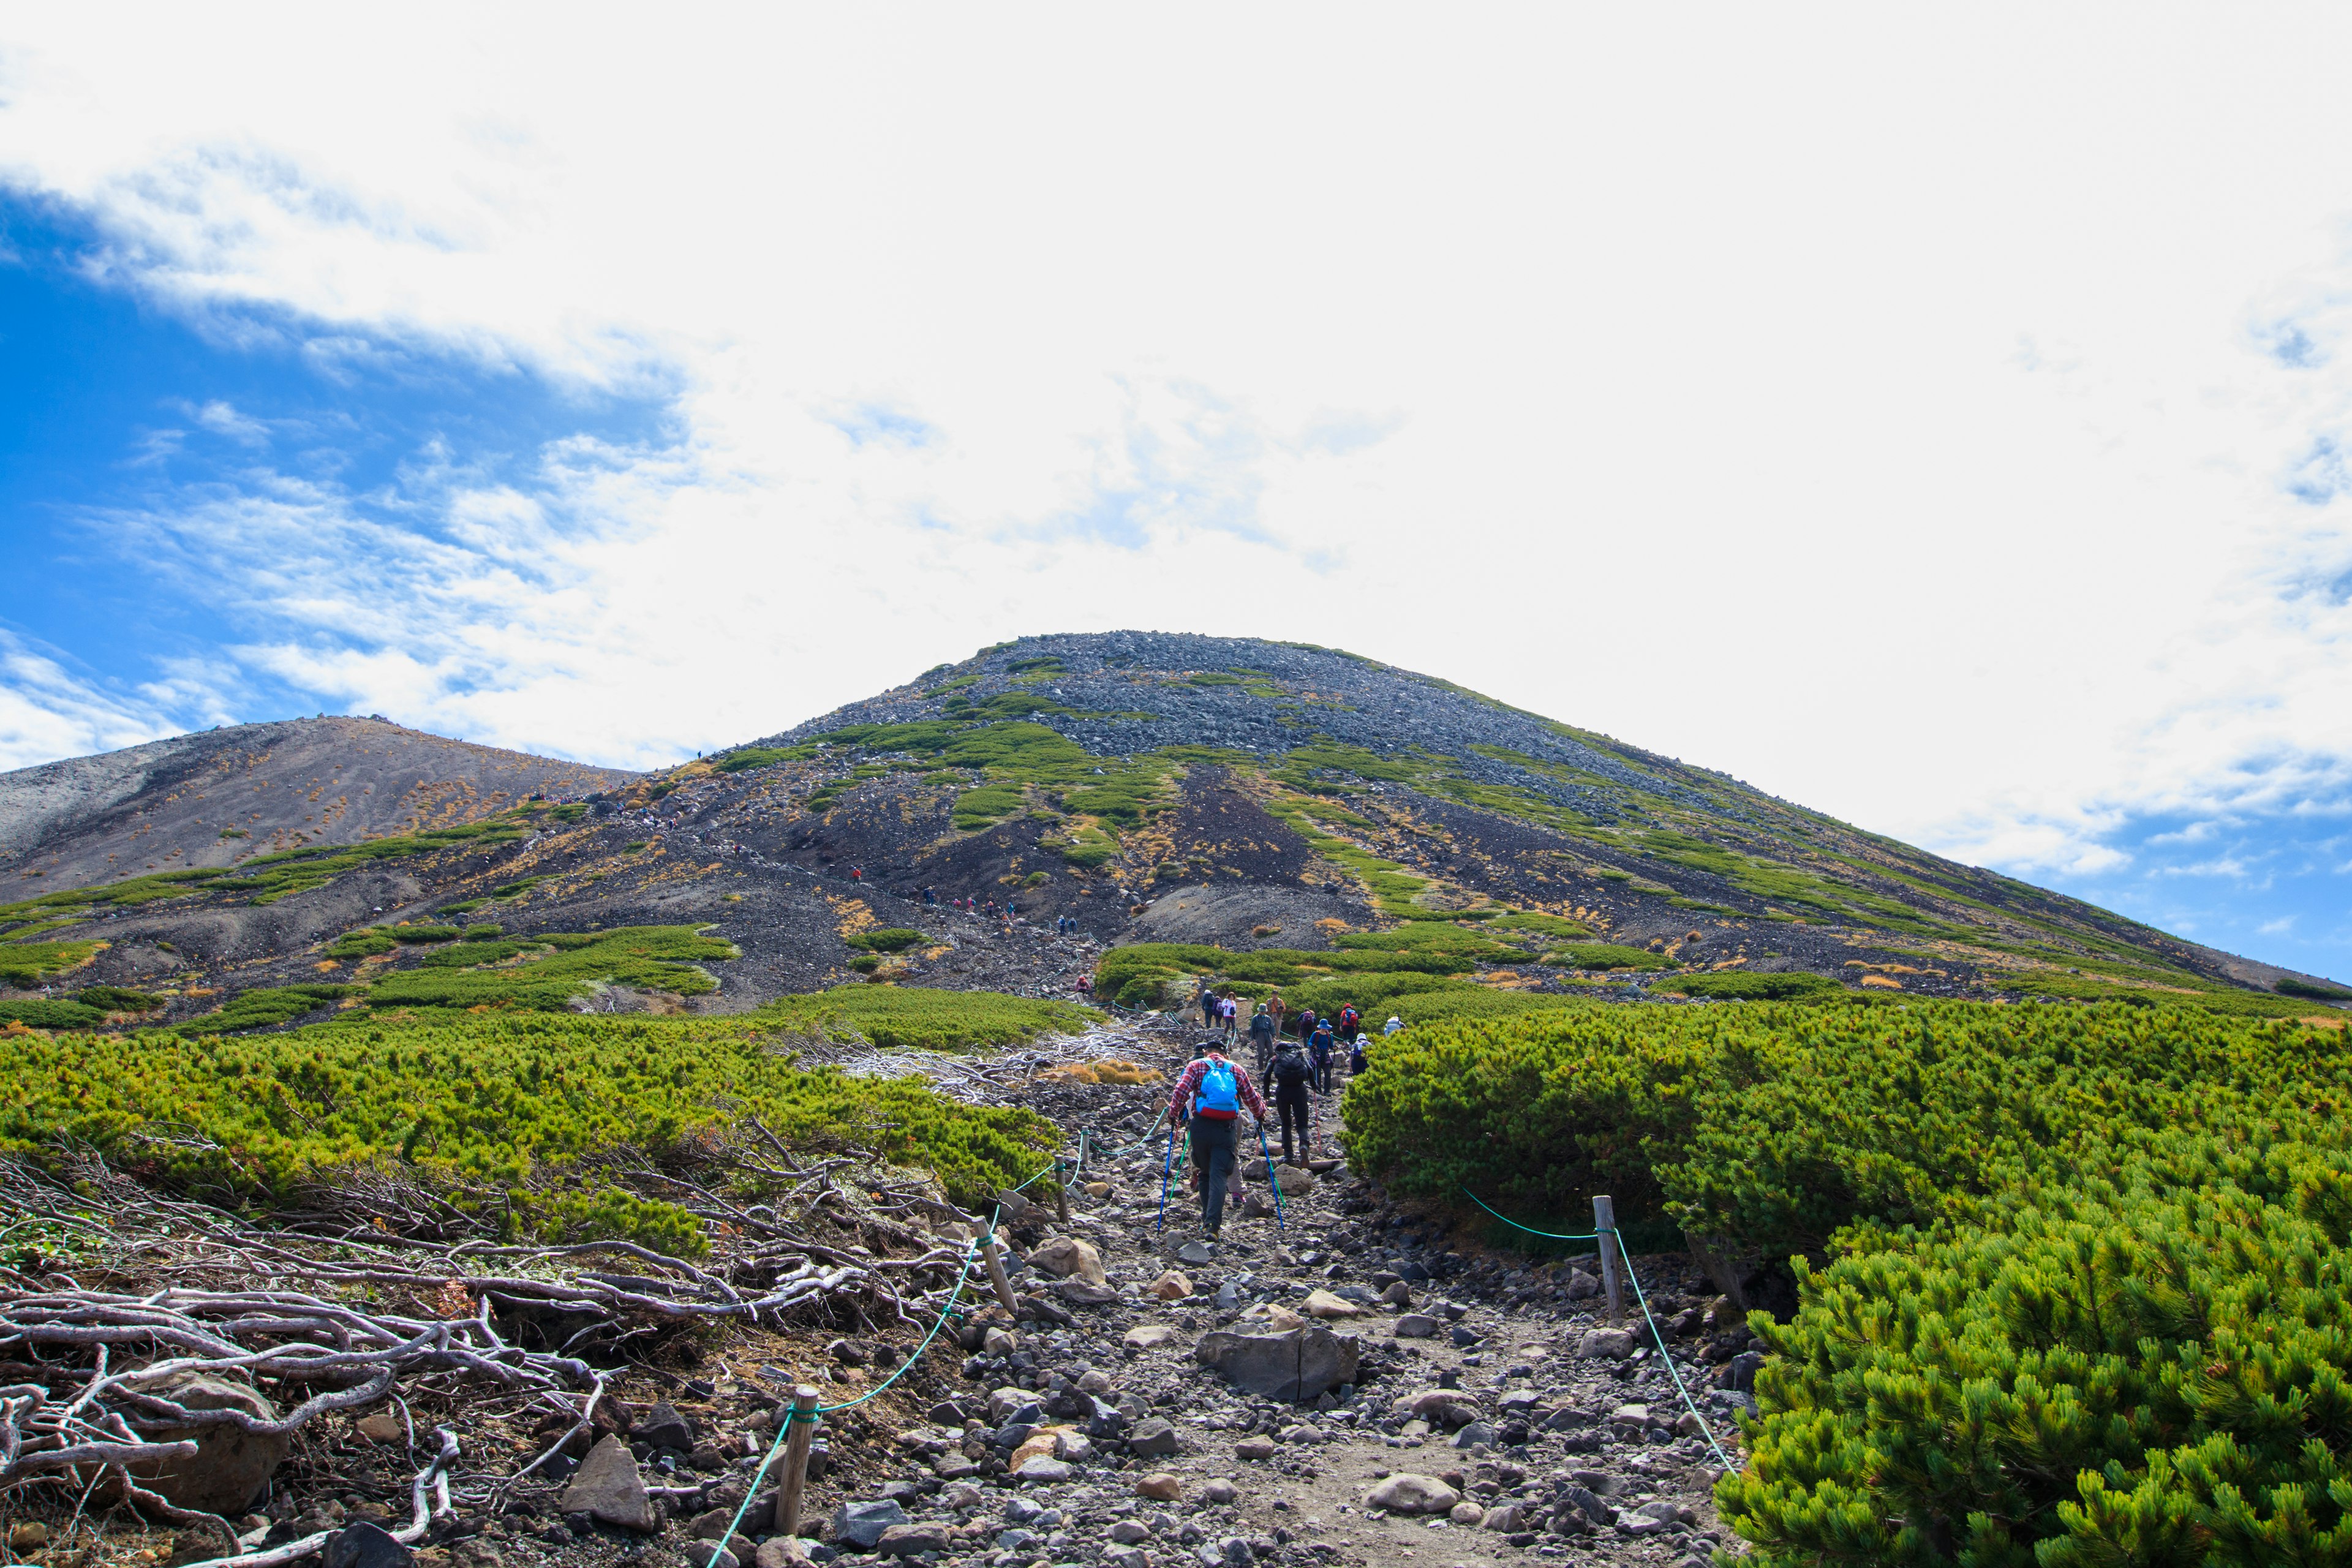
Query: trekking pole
x=1271, y=1180
x=1167, y=1174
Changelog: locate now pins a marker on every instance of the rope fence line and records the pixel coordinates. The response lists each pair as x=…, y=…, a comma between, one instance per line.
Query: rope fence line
x=1640, y=1299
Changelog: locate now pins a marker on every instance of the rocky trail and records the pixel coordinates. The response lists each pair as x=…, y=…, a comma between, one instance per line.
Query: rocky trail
x=1338, y=1384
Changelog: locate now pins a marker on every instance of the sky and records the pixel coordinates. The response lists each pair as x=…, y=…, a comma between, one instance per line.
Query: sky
x=1943, y=420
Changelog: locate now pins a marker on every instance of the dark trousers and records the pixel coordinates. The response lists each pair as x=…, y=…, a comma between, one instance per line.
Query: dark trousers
x=1290, y=1104
x=1213, y=1156
x=1321, y=1063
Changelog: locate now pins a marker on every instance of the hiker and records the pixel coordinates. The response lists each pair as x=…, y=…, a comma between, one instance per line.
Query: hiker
x=1262, y=1037
x=1305, y=1025
x=1228, y=1016
x=1348, y=1019
x=1208, y=1005
x=1290, y=1077
x=1086, y=986
x=1277, y=1006
x=1211, y=1092
x=1356, y=1056
x=1318, y=1055
x=1395, y=1026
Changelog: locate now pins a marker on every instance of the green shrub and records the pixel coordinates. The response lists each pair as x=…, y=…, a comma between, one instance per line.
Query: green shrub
x=2288, y=985
x=52, y=1014
x=118, y=999
x=27, y=965
x=1551, y=926
x=517, y=890
x=265, y=1008
x=866, y=963
x=888, y=939
x=483, y=931
x=419, y=936
x=987, y=805
x=464, y=906
x=652, y=958
x=745, y=757
x=466, y=954
x=921, y=1018
x=1737, y=985
x=503, y=1114
x=361, y=945
x=1604, y=955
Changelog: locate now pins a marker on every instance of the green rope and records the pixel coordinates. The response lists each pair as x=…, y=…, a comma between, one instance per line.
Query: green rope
x=1667, y=1356
x=792, y=1413
x=1515, y=1225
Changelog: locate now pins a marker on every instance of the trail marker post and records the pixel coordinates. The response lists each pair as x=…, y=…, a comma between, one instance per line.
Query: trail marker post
x=1604, y=1223
x=796, y=1453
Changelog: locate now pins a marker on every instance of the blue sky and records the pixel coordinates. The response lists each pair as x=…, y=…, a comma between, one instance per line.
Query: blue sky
x=625, y=395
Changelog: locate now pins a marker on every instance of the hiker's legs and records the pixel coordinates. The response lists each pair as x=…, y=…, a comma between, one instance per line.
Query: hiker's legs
x=1212, y=1152
x=1290, y=1102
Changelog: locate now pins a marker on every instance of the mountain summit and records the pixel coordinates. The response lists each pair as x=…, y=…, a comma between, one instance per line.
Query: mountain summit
x=1114, y=788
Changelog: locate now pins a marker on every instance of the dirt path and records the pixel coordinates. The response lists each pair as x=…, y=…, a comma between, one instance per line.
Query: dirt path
x=1513, y=1422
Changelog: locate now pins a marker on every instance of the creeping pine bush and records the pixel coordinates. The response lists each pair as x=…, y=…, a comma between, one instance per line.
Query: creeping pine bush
x=502, y=1113
x=888, y=939
x=652, y=958
x=2072, y=1281
x=928, y=1019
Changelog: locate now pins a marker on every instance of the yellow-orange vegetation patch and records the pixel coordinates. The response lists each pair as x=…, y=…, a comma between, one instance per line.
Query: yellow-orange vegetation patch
x=851, y=915
x=1107, y=1071
x=1884, y=982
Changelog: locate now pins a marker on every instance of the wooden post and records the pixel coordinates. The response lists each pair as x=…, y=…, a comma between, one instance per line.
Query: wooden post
x=1604, y=1222
x=1061, y=1194
x=996, y=1273
x=796, y=1450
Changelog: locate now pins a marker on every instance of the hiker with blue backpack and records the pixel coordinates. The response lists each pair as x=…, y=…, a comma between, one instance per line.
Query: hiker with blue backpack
x=1318, y=1056
x=1211, y=1092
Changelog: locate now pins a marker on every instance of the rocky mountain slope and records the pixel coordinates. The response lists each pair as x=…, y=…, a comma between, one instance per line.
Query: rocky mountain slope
x=1137, y=788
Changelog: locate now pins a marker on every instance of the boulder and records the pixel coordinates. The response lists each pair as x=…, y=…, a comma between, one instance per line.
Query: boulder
x=1254, y=1448
x=1153, y=1437
x=664, y=1428
x=1613, y=1344
x=913, y=1540
x=1292, y=1180
x=365, y=1545
x=1044, y=1470
x=1067, y=1258
x=382, y=1427
x=1475, y=1435
x=1443, y=1407
x=1466, y=1512
x=1081, y=1293
x=1295, y=1366
x=230, y=1465
x=1012, y=1207
x=1151, y=1336
x=861, y=1525
x=1159, y=1487
x=782, y=1552
x=609, y=1489
x=1582, y=1287
x=1324, y=1304
x=1634, y=1417
x=1218, y=1491
x=1397, y=1293
x=1408, y=1493
x=1195, y=1253
x=1510, y=1519
x=1416, y=1326
x=1171, y=1287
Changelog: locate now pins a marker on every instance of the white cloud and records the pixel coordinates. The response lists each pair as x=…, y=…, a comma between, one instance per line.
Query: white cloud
x=1922, y=415
x=47, y=712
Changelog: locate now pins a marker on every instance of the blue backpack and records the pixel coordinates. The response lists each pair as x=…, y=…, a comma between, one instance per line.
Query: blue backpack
x=1218, y=1090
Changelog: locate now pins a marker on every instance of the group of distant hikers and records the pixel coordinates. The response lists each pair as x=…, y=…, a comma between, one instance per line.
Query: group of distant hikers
x=1295, y=1063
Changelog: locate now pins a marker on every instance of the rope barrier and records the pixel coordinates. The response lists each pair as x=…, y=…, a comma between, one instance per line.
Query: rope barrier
x=784, y=1428
x=1640, y=1300
x=1515, y=1225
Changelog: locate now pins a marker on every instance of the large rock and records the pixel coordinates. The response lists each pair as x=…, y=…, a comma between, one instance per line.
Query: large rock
x=1151, y=1336
x=1408, y=1493
x=1611, y=1345
x=230, y=1465
x=609, y=1489
x=1083, y=1293
x=1325, y=1304
x=1171, y=1286
x=1445, y=1407
x=664, y=1428
x=913, y=1540
x=1292, y=1180
x=1067, y=1258
x=1415, y=1326
x=861, y=1525
x=365, y=1545
x=1294, y=1366
x=1153, y=1437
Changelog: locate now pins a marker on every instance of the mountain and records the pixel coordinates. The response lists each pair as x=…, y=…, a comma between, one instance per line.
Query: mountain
x=1149, y=787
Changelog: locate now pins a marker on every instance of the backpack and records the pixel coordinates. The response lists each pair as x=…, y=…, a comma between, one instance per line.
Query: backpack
x=1321, y=1043
x=1348, y=1018
x=1290, y=1068
x=1218, y=1092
